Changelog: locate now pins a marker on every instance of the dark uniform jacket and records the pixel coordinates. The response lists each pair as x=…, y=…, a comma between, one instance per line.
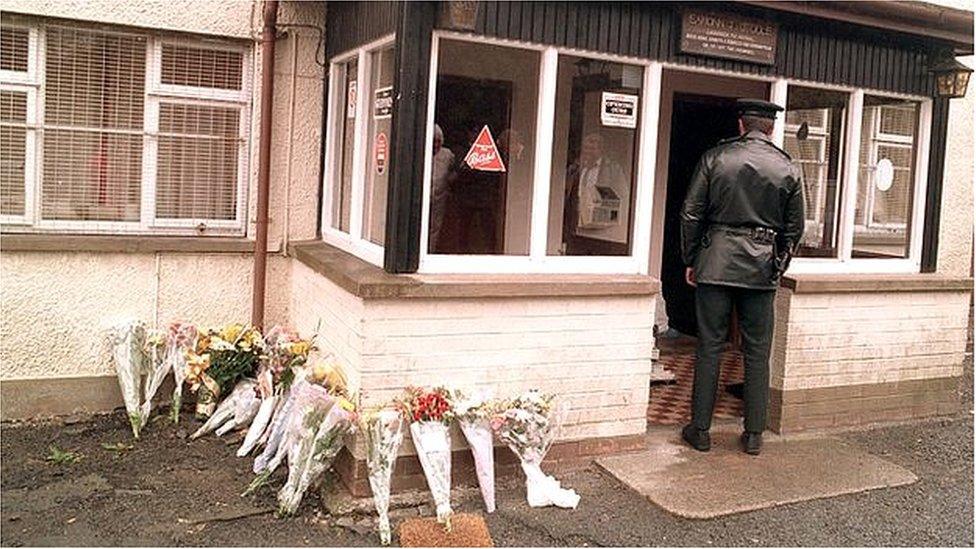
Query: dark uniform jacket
x=742, y=184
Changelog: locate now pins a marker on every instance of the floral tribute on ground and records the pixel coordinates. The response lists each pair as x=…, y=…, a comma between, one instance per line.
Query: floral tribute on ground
x=429, y=413
x=298, y=409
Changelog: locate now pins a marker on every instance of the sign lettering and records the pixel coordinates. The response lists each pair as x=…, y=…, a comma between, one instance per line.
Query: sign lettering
x=728, y=36
x=483, y=155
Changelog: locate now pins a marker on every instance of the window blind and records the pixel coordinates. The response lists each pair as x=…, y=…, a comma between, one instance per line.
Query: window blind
x=199, y=67
x=13, y=48
x=13, y=153
x=94, y=102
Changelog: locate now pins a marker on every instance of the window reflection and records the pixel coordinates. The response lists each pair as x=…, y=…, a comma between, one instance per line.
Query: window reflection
x=814, y=137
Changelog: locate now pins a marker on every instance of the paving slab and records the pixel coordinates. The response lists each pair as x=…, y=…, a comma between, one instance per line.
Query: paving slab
x=724, y=481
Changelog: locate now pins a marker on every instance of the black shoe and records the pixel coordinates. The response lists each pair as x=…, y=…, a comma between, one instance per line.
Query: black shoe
x=696, y=438
x=751, y=443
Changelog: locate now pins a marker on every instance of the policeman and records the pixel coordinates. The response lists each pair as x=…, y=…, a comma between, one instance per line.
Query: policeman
x=740, y=223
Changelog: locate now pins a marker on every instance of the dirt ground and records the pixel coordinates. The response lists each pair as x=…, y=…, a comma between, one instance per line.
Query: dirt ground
x=169, y=491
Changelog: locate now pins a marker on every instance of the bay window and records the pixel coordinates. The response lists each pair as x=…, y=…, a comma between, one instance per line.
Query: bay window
x=358, y=146
x=121, y=131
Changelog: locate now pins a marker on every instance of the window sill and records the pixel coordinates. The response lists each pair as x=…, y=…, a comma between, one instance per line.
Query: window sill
x=865, y=283
x=124, y=244
x=368, y=281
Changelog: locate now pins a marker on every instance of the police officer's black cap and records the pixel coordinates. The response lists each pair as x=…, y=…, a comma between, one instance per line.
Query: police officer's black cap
x=757, y=107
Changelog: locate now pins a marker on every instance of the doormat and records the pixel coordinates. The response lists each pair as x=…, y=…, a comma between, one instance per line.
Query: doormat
x=467, y=530
x=725, y=480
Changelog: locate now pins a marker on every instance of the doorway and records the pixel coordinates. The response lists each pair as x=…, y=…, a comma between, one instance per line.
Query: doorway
x=697, y=111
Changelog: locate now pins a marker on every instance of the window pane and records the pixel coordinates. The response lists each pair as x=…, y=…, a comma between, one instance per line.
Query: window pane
x=484, y=149
x=201, y=67
x=886, y=178
x=345, y=130
x=380, y=118
x=815, y=139
x=13, y=141
x=594, y=157
x=94, y=87
x=197, y=162
x=13, y=48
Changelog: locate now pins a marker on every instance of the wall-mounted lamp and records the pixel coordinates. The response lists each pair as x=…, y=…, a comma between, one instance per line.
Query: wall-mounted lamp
x=951, y=77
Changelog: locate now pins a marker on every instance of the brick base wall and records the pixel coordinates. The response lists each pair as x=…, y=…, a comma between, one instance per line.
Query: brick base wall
x=408, y=474
x=826, y=407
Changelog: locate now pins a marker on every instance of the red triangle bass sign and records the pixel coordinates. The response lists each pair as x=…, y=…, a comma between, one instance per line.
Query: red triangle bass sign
x=483, y=154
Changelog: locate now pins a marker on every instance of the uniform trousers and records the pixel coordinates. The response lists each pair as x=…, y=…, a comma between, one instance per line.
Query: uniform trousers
x=754, y=309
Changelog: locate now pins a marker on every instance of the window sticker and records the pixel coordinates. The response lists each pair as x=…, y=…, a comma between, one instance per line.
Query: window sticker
x=619, y=110
x=483, y=155
x=351, y=99
x=383, y=103
x=884, y=174
x=380, y=152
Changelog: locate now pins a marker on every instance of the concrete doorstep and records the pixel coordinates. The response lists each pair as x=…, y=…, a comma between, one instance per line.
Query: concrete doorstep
x=725, y=481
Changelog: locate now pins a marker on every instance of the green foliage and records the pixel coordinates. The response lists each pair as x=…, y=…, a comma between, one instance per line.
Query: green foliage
x=57, y=456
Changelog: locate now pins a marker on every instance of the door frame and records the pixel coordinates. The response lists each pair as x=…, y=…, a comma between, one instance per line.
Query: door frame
x=674, y=80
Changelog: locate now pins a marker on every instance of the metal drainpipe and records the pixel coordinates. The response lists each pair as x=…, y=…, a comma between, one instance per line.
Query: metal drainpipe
x=270, y=18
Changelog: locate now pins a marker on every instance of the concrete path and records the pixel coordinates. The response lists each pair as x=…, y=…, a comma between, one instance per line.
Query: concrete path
x=725, y=481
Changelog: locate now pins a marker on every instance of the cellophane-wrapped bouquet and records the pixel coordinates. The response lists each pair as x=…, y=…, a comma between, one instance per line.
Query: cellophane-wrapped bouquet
x=322, y=439
x=528, y=425
x=473, y=412
x=383, y=431
x=285, y=352
x=236, y=410
x=312, y=394
x=127, y=347
x=221, y=358
x=429, y=413
x=181, y=340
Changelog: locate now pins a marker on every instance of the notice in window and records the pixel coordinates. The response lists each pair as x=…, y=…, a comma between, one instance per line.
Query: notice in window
x=383, y=103
x=351, y=99
x=619, y=110
x=483, y=155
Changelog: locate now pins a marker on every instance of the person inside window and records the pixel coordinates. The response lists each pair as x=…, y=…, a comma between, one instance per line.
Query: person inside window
x=440, y=186
x=588, y=178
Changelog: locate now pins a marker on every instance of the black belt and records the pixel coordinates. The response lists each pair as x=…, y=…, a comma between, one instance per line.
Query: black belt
x=759, y=234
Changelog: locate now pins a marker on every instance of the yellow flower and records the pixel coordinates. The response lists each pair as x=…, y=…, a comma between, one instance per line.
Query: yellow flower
x=346, y=404
x=203, y=343
x=231, y=332
x=299, y=348
x=330, y=376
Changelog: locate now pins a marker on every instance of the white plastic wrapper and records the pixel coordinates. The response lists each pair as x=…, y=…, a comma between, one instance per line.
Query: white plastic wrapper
x=260, y=425
x=433, y=442
x=479, y=437
x=157, y=370
x=313, y=453
x=384, y=434
x=179, y=339
x=127, y=342
x=528, y=428
x=239, y=407
x=306, y=398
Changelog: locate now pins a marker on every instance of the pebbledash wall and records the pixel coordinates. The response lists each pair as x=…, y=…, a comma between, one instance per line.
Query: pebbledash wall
x=59, y=292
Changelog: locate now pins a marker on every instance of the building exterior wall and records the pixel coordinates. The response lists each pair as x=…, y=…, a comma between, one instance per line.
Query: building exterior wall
x=594, y=352
x=55, y=304
x=849, y=358
x=956, y=230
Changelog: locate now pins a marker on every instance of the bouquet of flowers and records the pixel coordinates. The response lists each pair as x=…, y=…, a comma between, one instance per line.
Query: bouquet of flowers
x=156, y=369
x=126, y=342
x=237, y=409
x=528, y=425
x=429, y=413
x=221, y=358
x=383, y=430
x=181, y=339
x=474, y=418
x=284, y=353
x=311, y=394
x=321, y=440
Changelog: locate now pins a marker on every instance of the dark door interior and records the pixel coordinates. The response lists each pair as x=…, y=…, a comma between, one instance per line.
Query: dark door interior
x=474, y=216
x=698, y=122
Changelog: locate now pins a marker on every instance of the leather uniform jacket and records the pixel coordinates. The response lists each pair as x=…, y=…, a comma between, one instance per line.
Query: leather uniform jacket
x=742, y=184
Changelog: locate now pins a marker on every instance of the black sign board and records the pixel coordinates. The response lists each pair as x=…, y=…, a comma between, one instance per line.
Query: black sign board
x=729, y=36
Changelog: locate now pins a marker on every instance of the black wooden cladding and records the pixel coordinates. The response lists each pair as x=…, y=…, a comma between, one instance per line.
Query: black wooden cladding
x=352, y=24
x=808, y=49
x=933, y=190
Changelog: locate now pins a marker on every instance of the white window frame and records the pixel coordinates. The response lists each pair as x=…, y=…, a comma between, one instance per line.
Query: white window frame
x=844, y=263
x=353, y=241
x=537, y=261
x=154, y=93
